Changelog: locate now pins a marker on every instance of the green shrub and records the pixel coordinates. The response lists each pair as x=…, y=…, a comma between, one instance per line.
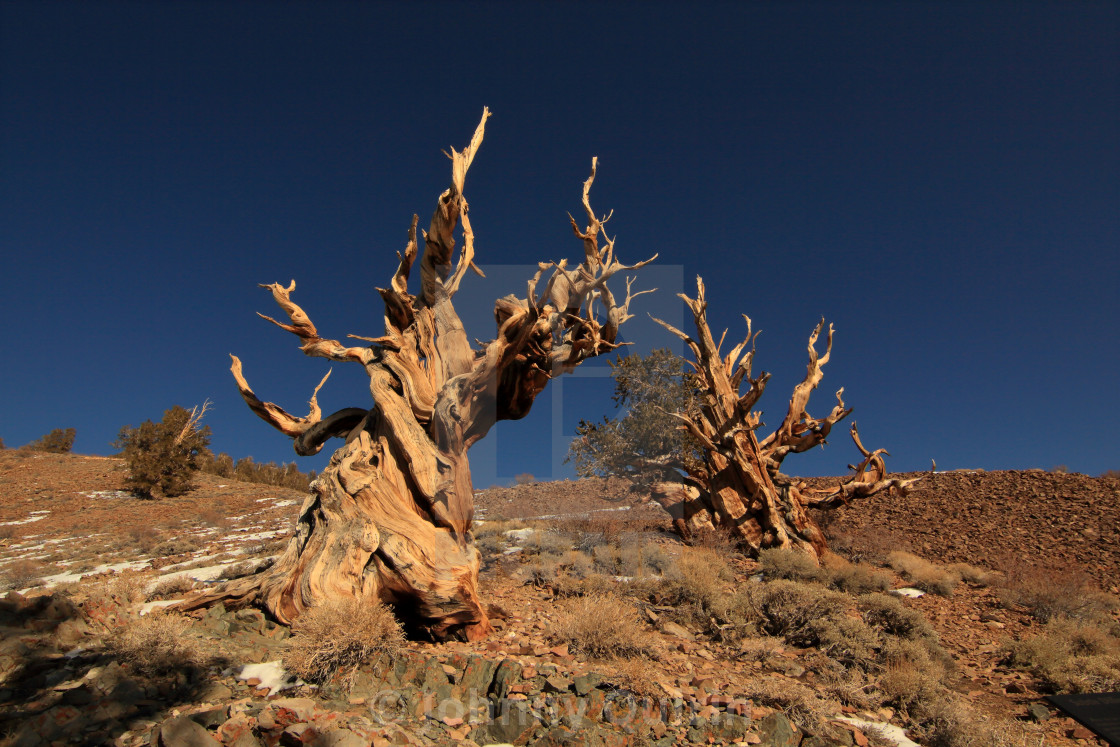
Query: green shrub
x=58, y=441
x=163, y=457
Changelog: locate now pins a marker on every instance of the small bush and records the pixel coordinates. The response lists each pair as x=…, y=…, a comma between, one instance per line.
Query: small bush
x=1050, y=592
x=156, y=644
x=974, y=575
x=789, y=564
x=802, y=704
x=58, y=441
x=21, y=574
x=891, y=616
x=163, y=457
x=341, y=635
x=923, y=574
x=1070, y=656
x=245, y=568
x=525, y=478
x=2, y=446
x=177, y=546
x=171, y=587
x=855, y=578
x=695, y=582
x=603, y=626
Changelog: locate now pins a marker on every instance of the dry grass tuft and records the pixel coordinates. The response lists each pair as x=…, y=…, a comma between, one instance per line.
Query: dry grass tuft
x=603, y=626
x=156, y=644
x=338, y=636
x=923, y=574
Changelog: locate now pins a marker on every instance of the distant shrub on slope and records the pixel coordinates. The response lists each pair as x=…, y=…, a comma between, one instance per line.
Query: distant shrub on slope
x=163, y=457
x=58, y=441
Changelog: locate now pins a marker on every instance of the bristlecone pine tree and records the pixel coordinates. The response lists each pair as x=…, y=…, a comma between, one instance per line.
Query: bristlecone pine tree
x=740, y=485
x=390, y=517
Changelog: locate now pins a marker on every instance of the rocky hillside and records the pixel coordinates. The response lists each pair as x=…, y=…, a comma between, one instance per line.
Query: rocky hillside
x=715, y=648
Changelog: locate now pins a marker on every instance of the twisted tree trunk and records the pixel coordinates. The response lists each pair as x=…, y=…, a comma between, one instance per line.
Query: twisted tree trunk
x=390, y=517
x=741, y=486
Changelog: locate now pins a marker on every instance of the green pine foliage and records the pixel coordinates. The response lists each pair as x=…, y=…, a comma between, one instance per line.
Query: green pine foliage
x=643, y=443
x=163, y=457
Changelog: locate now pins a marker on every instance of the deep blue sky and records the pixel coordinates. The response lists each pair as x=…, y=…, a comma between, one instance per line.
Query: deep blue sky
x=940, y=180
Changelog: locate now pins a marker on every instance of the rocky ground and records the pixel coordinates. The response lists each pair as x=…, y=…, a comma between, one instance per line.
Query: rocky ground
x=84, y=561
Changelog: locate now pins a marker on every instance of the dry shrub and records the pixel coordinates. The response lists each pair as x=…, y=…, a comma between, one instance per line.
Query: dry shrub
x=146, y=537
x=157, y=643
x=923, y=574
x=211, y=516
x=603, y=626
x=974, y=575
x=22, y=574
x=890, y=615
x=947, y=721
x=1071, y=656
x=854, y=578
x=171, y=587
x=593, y=584
x=127, y=587
x=246, y=568
x=765, y=649
x=789, y=609
x=541, y=570
x=803, y=705
x=789, y=564
x=546, y=542
x=695, y=583
x=577, y=564
x=638, y=675
x=913, y=674
x=178, y=546
x=719, y=540
x=1054, y=591
x=340, y=635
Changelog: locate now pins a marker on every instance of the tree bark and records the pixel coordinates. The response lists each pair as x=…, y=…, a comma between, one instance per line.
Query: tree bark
x=390, y=517
x=742, y=487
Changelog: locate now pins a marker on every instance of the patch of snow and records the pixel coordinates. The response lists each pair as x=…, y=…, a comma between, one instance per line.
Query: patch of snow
x=909, y=592
x=106, y=494
x=271, y=674
x=206, y=573
x=889, y=732
x=158, y=604
x=520, y=534
x=512, y=550
x=70, y=576
x=261, y=535
x=35, y=516
x=576, y=515
x=285, y=503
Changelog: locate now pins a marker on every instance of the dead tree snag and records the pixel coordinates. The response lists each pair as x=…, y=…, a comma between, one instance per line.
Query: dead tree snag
x=741, y=486
x=390, y=517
